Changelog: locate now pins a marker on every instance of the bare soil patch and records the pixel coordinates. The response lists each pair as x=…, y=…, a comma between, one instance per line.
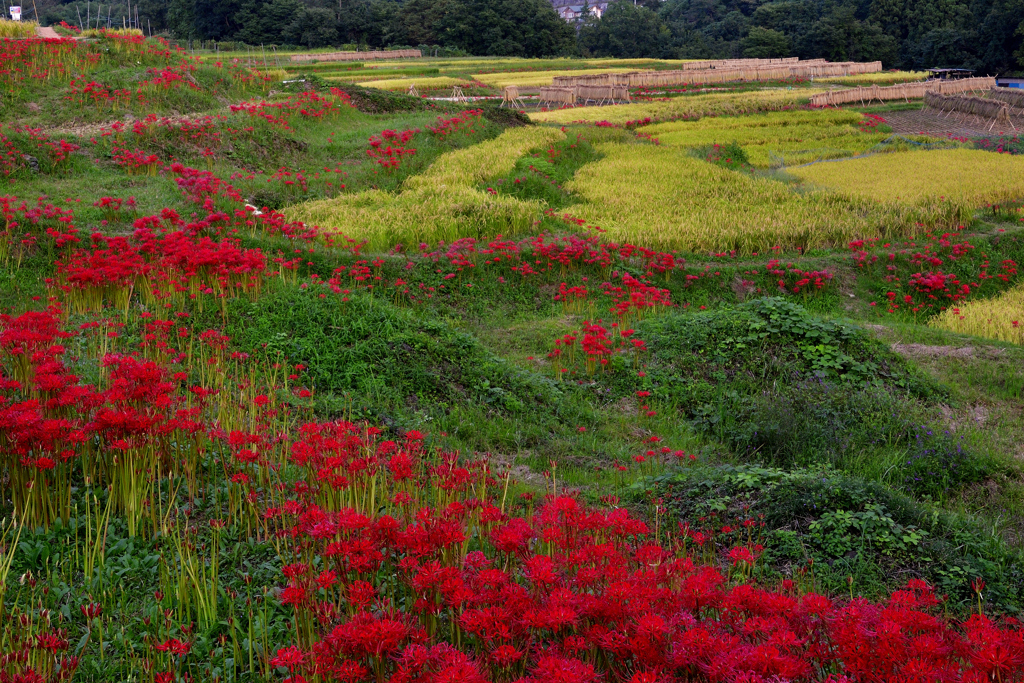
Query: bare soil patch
x=934, y=351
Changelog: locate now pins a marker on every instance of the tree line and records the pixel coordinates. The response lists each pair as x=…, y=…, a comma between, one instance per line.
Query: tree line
x=984, y=35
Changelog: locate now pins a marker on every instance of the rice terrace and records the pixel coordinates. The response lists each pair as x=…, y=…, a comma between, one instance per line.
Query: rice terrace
x=420, y=365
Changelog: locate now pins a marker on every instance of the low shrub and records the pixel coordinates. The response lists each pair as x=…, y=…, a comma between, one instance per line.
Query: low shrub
x=838, y=527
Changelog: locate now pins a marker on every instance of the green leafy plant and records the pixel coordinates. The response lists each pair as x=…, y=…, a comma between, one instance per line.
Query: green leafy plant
x=842, y=531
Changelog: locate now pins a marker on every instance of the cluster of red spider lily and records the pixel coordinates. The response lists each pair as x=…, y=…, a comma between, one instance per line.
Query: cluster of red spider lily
x=27, y=60
x=409, y=565
x=165, y=260
x=51, y=156
x=536, y=171
x=545, y=255
x=112, y=208
x=39, y=654
x=84, y=92
x=388, y=148
x=210, y=132
x=628, y=296
x=199, y=131
x=795, y=280
x=206, y=189
x=140, y=423
x=400, y=562
x=306, y=105
x=464, y=120
x=598, y=344
x=135, y=161
x=870, y=123
x=933, y=288
x=25, y=63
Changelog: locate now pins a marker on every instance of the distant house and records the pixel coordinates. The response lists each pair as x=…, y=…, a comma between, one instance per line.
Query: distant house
x=570, y=12
x=1010, y=82
x=574, y=11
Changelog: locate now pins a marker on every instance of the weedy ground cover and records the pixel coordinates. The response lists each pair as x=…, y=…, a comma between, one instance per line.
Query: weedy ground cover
x=236, y=446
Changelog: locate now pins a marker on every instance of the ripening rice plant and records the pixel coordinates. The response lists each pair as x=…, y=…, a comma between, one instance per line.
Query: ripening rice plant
x=430, y=83
x=664, y=198
x=769, y=126
x=17, y=29
x=537, y=78
x=684, y=107
x=102, y=32
x=443, y=63
x=484, y=161
x=804, y=151
x=999, y=318
x=880, y=78
x=776, y=138
x=440, y=204
x=967, y=178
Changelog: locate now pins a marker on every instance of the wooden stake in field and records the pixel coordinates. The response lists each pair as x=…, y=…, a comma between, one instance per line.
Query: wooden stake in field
x=413, y=92
x=1010, y=97
x=458, y=95
x=555, y=95
x=510, y=96
x=970, y=106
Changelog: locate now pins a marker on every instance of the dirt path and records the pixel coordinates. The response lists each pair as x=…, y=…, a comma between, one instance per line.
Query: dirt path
x=46, y=32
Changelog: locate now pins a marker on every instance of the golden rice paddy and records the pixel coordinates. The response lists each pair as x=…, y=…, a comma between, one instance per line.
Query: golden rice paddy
x=692, y=106
x=663, y=197
x=999, y=318
x=880, y=78
x=441, y=203
x=421, y=83
x=966, y=176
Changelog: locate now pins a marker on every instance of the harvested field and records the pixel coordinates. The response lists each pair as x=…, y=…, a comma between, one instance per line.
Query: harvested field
x=925, y=122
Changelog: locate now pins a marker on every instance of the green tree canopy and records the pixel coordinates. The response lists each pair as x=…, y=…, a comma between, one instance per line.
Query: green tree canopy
x=984, y=35
x=766, y=43
x=522, y=28
x=626, y=30
x=312, y=27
